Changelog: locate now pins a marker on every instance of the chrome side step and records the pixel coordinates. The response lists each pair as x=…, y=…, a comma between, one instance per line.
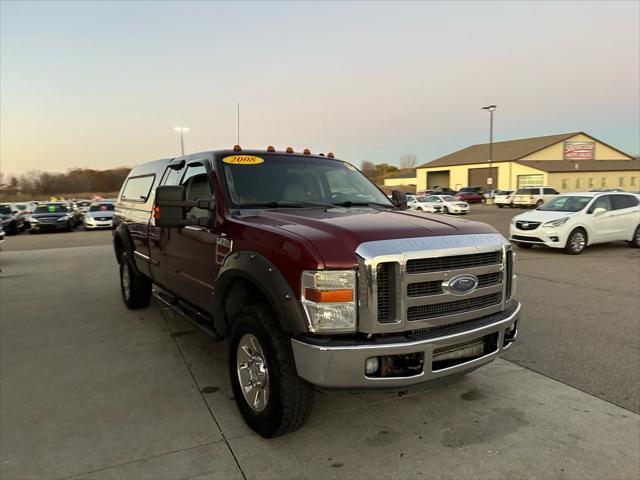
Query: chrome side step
x=196, y=318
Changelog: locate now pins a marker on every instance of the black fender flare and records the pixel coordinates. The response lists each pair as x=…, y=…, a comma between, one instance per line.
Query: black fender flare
x=123, y=235
x=259, y=271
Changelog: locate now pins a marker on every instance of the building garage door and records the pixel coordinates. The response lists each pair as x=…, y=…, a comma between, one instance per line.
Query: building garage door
x=438, y=179
x=478, y=177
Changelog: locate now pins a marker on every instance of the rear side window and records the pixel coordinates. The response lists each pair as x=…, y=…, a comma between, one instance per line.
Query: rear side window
x=137, y=188
x=528, y=191
x=550, y=191
x=623, y=201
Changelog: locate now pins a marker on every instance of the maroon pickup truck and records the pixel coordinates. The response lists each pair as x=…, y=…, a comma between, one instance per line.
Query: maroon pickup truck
x=317, y=278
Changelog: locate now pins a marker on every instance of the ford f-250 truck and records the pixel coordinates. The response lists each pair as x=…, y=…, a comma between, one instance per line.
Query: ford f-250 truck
x=314, y=275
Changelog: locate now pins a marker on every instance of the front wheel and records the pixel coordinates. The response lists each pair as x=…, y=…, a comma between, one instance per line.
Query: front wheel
x=136, y=289
x=271, y=397
x=635, y=241
x=576, y=242
x=445, y=210
x=500, y=205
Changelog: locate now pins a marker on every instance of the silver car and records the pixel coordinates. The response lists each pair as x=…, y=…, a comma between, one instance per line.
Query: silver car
x=99, y=215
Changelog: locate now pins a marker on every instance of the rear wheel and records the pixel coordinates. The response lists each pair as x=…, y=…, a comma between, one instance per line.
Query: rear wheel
x=271, y=397
x=539, y=203
x=136, y=289
x=523, y=245
x=576, y=242
x=635, y=241
x=500, y=205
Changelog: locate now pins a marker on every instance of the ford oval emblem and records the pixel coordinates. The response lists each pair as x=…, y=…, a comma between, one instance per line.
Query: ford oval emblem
x=461, y=285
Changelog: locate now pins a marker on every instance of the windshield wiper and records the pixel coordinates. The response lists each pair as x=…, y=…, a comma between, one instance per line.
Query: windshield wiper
x=349, y=204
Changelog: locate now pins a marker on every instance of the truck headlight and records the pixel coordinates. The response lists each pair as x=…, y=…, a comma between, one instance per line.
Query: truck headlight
x=329, y=300
x=556, y=223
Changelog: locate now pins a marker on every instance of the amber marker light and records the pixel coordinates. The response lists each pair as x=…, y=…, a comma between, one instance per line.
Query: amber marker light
x=328, y=296
x=306, y=151
x=237, y=148
x=289, y=149
x=271, y=148
x=330, y=155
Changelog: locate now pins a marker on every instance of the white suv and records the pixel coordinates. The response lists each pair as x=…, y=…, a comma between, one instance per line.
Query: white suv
x=533, y=196
x=575, y=220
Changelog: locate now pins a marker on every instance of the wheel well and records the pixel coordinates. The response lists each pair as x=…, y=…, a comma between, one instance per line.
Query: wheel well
x=584, y=230
x=118, y=246
x=239, y=293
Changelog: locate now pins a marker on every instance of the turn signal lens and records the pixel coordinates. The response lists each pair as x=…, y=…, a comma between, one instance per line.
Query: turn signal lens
x=289, y=149
x=328, y=296
x=156, y=213
x=270, y=148
x=237, y=148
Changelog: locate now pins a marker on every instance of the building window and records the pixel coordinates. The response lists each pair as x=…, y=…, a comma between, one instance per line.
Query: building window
x=565, y=183
x=530, y=181
x=632, y=182
x=592, y=182
x=603, y=182
x=621, y=182
x=577, y=183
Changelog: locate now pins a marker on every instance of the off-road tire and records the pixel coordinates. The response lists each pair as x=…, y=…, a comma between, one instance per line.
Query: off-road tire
x=635, y=241
x=138, y=293
x=290, y=398
x=572, y=246
x=523, y=245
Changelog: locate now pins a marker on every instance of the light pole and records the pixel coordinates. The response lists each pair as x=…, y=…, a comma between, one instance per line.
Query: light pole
x=181, y=130
x=490, y=109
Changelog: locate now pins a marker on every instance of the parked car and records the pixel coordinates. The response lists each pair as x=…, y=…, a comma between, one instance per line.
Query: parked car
x=2, y=234
x=52, y=216
x=448, y=204
x=419, y=203
x=576, y=220
x=11, y=219
x=533, y=196
x=470, y=195
x=503, y=198
x=100, y=215
x=443, y=191
x=74, y=212
x=84, y=205
x=313, y=274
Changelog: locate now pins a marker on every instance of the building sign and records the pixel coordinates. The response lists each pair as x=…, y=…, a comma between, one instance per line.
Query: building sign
x=579, y=150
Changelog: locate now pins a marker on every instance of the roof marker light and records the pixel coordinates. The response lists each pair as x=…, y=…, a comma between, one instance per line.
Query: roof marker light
x=330, y=155
x=306, y=151
x=289, y=149
x=237, y=148
x=271, y=148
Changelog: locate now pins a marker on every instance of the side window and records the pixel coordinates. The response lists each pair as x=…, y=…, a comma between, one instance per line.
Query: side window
x=137, y=189
x=197, y=187
x=623, y=201
x=550, y=191
x=601, y=202
x=172, y=176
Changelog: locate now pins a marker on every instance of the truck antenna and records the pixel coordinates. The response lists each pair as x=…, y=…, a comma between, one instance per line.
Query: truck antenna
x=238, y=105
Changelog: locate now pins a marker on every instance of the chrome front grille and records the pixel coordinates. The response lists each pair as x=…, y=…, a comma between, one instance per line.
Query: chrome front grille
x=406, y=284
x=456, y=262
x=423, y=312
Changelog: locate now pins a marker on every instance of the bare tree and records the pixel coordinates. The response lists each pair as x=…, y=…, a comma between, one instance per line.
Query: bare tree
x=408, y=160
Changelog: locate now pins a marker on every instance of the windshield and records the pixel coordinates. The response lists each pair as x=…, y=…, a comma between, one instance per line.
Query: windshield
x=52, y=208
x=102, y=207
x=566, y=204
x=294, y=181
x=5, y=209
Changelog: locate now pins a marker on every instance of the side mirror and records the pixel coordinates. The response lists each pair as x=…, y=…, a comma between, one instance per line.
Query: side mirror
x=171, y=207
x=599, y=211
x=399, y=199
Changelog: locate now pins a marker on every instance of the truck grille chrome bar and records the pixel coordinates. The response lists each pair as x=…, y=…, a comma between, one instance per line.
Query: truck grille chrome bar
x=423, y=312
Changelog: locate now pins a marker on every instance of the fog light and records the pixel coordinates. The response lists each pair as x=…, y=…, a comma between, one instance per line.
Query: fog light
x=554, y=239
x=371, y=365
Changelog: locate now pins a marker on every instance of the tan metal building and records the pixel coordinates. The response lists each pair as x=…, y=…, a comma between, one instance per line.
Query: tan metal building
x=568, y=162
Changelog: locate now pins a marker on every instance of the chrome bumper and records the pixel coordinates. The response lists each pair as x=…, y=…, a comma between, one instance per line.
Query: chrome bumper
x=342, y=367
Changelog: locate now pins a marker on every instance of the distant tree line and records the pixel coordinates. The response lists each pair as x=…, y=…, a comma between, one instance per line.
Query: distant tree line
x=75, y=180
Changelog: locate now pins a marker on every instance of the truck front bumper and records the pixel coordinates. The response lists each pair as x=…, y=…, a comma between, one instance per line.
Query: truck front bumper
x=336, y=365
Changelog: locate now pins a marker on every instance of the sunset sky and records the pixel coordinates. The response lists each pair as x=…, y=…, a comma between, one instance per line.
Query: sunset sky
x=102, y=84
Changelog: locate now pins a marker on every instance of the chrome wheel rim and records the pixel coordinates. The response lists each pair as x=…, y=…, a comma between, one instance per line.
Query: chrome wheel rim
x=253, y=374
x=636, y=237
x=577, y=241
x=126, y=282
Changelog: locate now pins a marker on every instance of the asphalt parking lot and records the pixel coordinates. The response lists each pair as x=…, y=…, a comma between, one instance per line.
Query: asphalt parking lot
x=89, y=389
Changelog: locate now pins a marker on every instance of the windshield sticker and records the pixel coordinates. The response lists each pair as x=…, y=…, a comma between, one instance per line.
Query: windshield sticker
x=52, y=208
x=243, y=160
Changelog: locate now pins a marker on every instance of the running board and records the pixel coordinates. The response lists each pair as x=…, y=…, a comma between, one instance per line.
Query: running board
x=192, y=316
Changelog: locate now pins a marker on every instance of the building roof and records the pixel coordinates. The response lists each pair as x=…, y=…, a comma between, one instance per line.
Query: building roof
x=582, y=165
x=404, y=173
x=506, y=151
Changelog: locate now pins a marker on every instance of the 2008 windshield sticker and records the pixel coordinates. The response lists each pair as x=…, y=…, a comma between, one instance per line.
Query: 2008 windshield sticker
x=243, y=160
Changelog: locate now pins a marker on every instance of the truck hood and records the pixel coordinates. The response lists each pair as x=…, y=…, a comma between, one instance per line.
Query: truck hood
x=337, y=232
